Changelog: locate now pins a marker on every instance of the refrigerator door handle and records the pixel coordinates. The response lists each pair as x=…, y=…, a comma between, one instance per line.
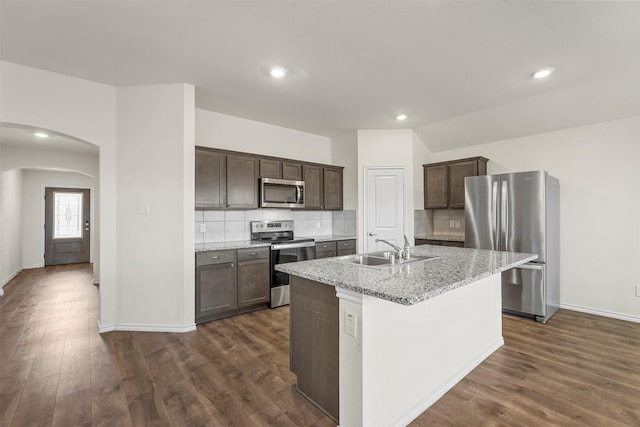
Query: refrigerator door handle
x=494, y=215
x=504, y=219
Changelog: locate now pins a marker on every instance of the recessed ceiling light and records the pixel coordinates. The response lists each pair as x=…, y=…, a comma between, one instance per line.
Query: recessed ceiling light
x=278, y=72
x=41, y=135
x=401, y=117
x=541, y=74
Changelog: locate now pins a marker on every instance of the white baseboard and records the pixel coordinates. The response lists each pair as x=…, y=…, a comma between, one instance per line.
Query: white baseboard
x=146, y=328
x=8, y=279
x=613, y=315
x=423, y=405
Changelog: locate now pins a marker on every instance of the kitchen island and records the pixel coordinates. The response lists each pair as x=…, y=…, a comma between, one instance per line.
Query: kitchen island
x=376, y=346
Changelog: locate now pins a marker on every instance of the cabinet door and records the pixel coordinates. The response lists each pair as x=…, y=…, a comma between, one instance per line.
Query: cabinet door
x=332, y=188
x=216, y=290
x=292, y=171
x=312, y=186
x=457, y=173
x=253, y=282
x=270, y=168
x=436, y=180
x=242, y=182
x=210, y=191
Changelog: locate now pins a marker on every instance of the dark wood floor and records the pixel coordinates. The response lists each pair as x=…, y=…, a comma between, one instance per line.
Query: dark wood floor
x=55, y=369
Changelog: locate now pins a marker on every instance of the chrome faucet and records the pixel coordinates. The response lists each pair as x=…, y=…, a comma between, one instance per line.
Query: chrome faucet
x=402, y=254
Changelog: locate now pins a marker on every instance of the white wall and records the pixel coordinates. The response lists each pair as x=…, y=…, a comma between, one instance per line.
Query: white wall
x=344, y=152
x=32, y=199
x=386, y=147
x=599, y=171
x=234, y=133
x=155, y=168
x=11, y=222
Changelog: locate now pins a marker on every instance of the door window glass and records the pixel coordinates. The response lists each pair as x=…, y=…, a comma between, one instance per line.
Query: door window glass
x=67, y=215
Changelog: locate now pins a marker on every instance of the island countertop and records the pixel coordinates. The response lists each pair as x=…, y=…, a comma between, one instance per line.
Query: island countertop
x=414, y=282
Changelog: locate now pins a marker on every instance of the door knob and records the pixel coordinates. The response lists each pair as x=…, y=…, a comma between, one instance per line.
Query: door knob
x=372, y=234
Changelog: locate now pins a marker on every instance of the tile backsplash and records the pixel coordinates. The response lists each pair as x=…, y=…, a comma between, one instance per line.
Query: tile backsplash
x=441, y=223
x=231, y=226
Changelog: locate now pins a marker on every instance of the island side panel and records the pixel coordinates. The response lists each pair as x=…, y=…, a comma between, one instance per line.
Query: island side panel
x=314, y=357
x=409, y=356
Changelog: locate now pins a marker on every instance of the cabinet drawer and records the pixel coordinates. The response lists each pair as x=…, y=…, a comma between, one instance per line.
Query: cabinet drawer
x=326, y=247
x=252, y=253
x=343, y=252
x=215, y=257
x=345, y=244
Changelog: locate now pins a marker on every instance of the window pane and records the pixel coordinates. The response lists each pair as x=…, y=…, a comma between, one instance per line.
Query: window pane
x=67, y=215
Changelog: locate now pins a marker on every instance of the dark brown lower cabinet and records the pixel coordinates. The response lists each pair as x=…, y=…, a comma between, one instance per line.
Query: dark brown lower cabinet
x=333, y=248
x=253, y=277
x=231, y=282
x=314, y=343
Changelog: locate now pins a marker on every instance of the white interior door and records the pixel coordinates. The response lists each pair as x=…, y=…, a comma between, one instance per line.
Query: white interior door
x=384, y=207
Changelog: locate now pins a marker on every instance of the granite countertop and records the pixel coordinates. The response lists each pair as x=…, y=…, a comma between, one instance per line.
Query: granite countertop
x=219, y=246
x=442, y=238
x=330, y=237
x=414, y=282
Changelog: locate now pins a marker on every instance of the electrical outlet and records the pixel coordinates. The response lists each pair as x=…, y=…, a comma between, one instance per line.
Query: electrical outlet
x=203, y=227
x=638, y=290
x=350, y=323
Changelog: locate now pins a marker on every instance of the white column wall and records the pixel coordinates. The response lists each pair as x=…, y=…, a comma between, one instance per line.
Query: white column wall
x=386, y=147
x=155, y=169
x=599, y=171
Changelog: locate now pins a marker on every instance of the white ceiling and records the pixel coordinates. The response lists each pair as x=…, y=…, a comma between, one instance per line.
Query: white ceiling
x=460, y=70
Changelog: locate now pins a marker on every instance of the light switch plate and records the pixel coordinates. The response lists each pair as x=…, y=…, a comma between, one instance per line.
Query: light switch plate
x=143, y=208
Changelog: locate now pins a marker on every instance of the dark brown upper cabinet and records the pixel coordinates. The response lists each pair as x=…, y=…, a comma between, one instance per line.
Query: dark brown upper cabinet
x=242, y=182
x=436, y=186
x=270, y=168
x=292, y=171
x=211, y=180
x=231, y=180
x=332, y=188
x=444, y=181
x=225, y=180
x=313, y=186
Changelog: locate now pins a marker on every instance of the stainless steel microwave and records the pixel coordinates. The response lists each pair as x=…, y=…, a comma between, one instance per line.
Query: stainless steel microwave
x=281, y=193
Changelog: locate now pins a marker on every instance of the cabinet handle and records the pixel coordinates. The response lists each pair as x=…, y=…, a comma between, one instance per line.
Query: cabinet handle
x=324, y=246
x=215, y=257
x=254, y=253
x=231, y=265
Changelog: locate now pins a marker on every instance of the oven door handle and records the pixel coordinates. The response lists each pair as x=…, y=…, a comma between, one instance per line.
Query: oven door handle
x=276, y=247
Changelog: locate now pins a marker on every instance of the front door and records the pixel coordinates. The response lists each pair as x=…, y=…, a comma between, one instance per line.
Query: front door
x=384, y=208
x=66, y=226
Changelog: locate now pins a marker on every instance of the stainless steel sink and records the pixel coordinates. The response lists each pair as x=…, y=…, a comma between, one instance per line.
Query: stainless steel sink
x=380, y=259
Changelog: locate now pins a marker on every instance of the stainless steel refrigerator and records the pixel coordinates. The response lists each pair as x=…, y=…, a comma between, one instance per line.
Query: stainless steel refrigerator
x=519, y=212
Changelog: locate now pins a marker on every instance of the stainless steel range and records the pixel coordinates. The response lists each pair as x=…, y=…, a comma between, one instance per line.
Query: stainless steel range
x=284, y=248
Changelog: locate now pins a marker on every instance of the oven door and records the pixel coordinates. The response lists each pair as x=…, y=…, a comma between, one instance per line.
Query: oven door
x=280, y=280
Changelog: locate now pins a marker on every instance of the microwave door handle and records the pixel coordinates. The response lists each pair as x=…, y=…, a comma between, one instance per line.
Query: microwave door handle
x=298, y=194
